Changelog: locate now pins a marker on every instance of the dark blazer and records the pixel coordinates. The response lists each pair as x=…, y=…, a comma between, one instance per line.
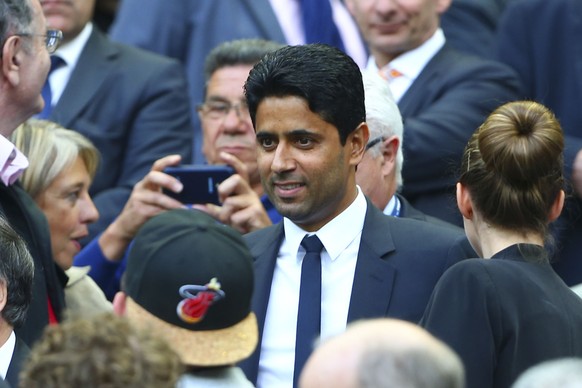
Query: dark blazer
x=451, y=97
x=133, y=105
x=504, y=315
x=471, y=25
x=409, y=211
x=49, y=280
x=398, y=264
x=196, y=27
x=541, y=40
x=19, y=356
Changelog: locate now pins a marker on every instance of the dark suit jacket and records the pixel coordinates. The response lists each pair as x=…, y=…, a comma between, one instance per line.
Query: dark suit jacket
x=541, y=40
x=21, y=352
x=398, y=264
x=196, y=27
x=451, y=97
x=49, y=280
x=471, y=25
x=503, y=315
x=134, y=107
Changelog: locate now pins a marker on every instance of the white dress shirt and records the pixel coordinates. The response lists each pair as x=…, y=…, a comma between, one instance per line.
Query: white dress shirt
x=6, y=352
x=69, y=53
x=288, y=13
x=410, y=63
x=341, y=240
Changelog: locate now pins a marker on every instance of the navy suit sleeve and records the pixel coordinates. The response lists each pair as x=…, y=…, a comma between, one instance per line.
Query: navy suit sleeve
x=159, y=125
x=453, y=106
x=463, y=312
x=159, y=34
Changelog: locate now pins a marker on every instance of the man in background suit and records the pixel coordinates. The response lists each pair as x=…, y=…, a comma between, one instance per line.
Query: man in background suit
x=307, y=107
x=24, y=65
x=16, y=276
x=188, y=30
x=443, y=94
x=379, y=174
x=540, y=40
x=131, y=104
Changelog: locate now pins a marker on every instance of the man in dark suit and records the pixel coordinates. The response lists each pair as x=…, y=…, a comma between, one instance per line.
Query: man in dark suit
x=379, y=174
x=540, y=40
x=16, y=277
x=307, y=107
x=131, y=104
x=188, y=30
x=443, y=94
x=25, y=64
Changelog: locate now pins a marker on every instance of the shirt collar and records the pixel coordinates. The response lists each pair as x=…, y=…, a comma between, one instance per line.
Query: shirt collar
x=6, y=351
x=348, y=224
x=12, y=162
x=71, y=51
x=411, y=63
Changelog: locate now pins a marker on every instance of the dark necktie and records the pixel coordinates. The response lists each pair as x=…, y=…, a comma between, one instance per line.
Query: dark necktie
x=318, y=23
x=309, y=312
x=46, y=93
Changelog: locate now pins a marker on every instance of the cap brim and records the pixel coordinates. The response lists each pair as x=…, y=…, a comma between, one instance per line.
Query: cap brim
x=200, y=348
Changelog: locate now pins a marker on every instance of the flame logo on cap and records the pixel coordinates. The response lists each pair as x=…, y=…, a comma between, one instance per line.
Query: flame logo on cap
x=197, y=300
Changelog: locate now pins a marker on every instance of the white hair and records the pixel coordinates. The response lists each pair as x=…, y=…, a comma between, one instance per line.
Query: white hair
x=383, y=116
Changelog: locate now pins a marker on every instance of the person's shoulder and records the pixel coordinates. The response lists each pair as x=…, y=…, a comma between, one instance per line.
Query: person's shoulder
x=252, y=238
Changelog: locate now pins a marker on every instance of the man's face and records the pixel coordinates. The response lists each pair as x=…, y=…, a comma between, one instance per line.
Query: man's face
x=306, y=172
x=392, y=27
x=231, y=131
x=69, y=16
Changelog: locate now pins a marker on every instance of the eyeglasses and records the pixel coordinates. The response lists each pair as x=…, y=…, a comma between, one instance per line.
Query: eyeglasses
x=218, y=110
x=52, y=38
x=374, y=141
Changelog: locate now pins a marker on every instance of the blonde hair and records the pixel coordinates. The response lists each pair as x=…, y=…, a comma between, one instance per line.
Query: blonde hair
x=51, y=149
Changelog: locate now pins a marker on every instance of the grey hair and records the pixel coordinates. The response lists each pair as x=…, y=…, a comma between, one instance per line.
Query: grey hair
x=51, y=149
x=16, y=273
x=237, y=52
x=383, y=116
x=15, y=17
x=416, y=367
x=563, y=373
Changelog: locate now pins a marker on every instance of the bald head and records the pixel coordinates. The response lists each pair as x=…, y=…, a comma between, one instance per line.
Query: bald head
x=383, y=353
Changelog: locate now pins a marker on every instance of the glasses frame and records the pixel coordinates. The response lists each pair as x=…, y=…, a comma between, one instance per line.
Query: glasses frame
x=239, y=107
x=374, y=141
x=52, y=39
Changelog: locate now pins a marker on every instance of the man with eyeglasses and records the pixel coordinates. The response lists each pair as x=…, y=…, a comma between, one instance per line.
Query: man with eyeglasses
x=24, y=65
x=132, y=104
x=379, y=174
x=229, y=137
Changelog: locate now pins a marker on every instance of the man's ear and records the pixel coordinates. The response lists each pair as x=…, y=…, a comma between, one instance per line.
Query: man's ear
x=357, y=141
x=119, y=303
x=12, y=59
x=557, y=206
x=464, y=201
x=3, y=295
x=389, y=152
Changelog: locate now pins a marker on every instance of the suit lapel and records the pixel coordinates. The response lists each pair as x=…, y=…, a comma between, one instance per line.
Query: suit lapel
x=96, y=59
x=415, y=96
x=265, y=19
x=374, y=275
x=265, y=252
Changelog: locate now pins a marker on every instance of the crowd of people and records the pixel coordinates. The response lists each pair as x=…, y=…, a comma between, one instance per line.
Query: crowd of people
x=403, y=210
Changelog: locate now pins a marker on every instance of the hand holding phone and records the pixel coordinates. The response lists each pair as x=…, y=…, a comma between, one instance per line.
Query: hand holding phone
x=200, y=182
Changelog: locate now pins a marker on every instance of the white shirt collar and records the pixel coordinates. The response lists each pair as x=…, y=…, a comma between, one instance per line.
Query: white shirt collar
x=6, y=352
x=348, y=224
x=412, y=62
x=71, y=51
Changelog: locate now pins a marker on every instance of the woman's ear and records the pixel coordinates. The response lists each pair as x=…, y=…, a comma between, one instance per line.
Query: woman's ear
x=557, y=206
x=464, y=201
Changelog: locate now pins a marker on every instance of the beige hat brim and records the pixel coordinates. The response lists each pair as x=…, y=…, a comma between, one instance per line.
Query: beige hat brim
x=200, y=348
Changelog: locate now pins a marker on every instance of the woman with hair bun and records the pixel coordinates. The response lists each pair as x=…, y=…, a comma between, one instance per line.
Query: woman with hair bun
x=509, y=310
